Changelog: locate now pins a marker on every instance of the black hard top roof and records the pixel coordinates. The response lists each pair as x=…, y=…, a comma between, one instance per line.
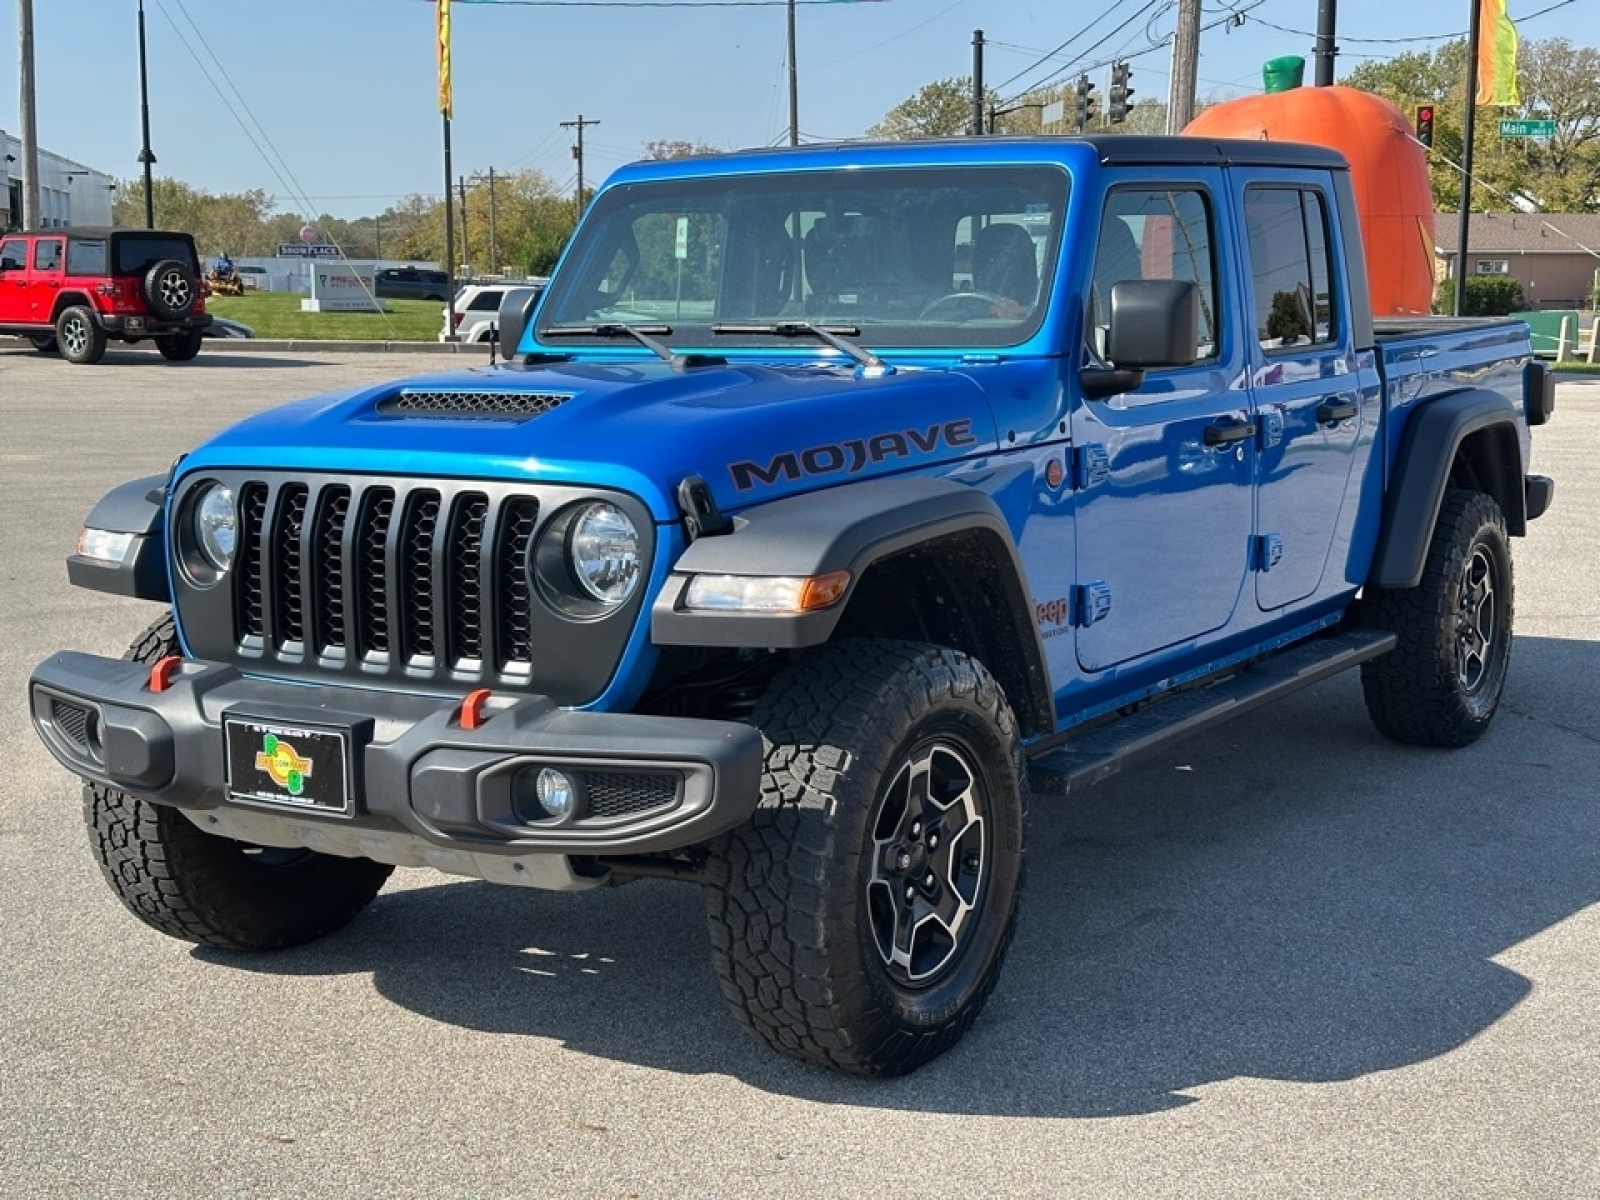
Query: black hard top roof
x=100, y=231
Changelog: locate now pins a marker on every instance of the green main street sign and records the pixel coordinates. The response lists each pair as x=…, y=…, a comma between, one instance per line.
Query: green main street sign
x=1529, y=129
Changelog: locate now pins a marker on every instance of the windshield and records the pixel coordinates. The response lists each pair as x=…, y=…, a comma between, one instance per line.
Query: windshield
x=906, y=256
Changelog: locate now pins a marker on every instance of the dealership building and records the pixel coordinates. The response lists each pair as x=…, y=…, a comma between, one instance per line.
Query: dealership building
x=69, y=192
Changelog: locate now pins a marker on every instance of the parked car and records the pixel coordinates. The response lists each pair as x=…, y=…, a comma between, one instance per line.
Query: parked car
x=476, y=310
x=71, y=290
x=227, y=327
x=410, y=283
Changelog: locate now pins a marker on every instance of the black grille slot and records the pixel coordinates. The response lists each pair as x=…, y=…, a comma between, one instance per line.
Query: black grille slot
x=514, y=406
x=251, y=611
x=626, y=794
x=333, y=511
x=71, y=721
x=286, y=579
x=417, y=575
x=515, y=623
x=371, y=590
x=466, y=576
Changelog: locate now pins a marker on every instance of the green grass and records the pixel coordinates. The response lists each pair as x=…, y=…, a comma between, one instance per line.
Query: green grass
x=278, y=315
x=1576, y=368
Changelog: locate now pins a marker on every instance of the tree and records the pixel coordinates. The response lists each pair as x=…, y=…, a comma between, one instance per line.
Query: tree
x=940, y=109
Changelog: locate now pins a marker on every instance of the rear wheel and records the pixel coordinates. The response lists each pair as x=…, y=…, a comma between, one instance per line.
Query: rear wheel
x=861, y=917
x=211, y=890
x=1441, y=684
x=180, y=348
x=79, y=336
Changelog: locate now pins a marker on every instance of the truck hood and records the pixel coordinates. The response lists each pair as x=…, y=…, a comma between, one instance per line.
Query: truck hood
x=752, y=432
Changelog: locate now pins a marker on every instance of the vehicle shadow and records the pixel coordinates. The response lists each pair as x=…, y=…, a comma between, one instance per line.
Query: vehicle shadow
x=1291, y=898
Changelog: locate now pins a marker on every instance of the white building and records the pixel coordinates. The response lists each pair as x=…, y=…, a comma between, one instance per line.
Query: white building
x=69, y=192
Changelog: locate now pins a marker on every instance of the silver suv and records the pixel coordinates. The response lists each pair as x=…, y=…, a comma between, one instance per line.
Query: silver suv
x=477, y=307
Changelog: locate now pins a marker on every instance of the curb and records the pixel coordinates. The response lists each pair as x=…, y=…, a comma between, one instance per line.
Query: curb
x=481, y=349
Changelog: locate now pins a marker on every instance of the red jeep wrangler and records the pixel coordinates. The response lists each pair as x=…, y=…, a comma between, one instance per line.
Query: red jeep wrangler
x=72, y=289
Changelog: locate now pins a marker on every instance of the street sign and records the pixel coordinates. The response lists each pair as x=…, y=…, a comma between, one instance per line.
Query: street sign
x=1527, y=129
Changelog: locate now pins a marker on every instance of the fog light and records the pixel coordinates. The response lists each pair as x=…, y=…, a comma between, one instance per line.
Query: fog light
x=556, y=794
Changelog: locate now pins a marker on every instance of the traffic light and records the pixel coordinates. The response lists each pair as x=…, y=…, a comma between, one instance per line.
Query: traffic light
x=1425, y=124
x=1085, y=102
x=1117, y=99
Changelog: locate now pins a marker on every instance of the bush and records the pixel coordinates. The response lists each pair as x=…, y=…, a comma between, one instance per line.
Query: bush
x=1487, y=296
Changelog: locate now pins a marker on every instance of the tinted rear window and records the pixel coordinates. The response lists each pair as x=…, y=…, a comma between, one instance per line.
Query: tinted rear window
x=86, y=256
x=138, y=253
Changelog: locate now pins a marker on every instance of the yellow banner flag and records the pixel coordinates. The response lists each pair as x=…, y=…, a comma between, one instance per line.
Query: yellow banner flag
x=445, y=104
x=1497, y=55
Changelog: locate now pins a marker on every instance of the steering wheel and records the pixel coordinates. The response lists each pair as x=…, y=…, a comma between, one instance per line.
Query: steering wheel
x=968, y=306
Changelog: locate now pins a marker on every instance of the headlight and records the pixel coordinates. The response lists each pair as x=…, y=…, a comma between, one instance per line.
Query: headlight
x=215, y=526
x=604, y=550
x=588, y=560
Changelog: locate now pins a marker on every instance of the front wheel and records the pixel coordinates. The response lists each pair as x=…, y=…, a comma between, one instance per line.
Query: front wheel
x=211, y=890
x=1441, y=684
x=44, y=343
x=860, y=918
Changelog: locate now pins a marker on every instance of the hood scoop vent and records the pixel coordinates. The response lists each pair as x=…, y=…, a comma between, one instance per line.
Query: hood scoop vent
x=454, y=404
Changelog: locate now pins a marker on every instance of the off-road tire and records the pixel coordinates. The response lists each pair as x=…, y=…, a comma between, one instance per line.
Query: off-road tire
x=44, y=343
x=79, y=336
x=1441, y=684
x=211, y=890
x=171, y=289
x=180, y=347
x=806, y=895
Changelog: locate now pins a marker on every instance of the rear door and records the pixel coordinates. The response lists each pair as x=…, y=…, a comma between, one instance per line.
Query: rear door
x=1315, y=410
x=44, y=277
x=1165, y=472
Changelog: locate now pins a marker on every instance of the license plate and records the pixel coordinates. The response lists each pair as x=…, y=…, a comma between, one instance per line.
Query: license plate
x=288, y=766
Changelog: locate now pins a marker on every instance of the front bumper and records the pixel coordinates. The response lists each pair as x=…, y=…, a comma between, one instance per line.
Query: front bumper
x=420, y=788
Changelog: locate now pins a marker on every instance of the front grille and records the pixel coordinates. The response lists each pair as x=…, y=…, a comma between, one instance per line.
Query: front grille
x=619, y=794
x=399, y=583
x=512, y=406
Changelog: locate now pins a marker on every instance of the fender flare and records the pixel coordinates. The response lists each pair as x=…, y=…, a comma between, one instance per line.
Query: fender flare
x=1433, y=438
x=846, y=528
x=137, y=507
x=65, y=300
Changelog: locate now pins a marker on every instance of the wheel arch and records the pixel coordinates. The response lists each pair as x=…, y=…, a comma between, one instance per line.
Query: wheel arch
x=1468, y=439
x=137, y=507
x=66, y=300
x=928, y=559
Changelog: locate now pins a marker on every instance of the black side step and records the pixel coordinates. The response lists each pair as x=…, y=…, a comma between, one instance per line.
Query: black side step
x=1105, y=750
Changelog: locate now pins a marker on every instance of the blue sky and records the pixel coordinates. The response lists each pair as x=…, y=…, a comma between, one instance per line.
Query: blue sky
x=339, y=96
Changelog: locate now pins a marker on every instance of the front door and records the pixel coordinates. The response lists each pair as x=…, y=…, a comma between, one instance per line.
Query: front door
x=1164, y=472
x=13, y=281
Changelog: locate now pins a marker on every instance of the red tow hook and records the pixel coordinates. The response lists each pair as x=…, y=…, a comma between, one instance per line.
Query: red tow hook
x=162, y=672
x=472, y=714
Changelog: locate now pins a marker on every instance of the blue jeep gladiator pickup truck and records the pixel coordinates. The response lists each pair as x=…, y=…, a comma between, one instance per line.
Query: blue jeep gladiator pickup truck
x=830, y=503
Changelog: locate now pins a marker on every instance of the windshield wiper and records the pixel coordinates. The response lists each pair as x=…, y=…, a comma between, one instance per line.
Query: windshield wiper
x=614, y=329
x=831, y=334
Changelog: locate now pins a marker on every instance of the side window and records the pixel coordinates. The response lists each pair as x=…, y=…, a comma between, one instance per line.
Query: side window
x=86, y=256
x=13, y=255
x=47, y=255
x=1290, y=269
x=485, y=302
x=1156, y=233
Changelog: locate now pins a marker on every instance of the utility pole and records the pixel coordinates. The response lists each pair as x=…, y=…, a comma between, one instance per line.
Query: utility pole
x=494, y=244
x=794, y=85
x=1185, y=62
x=145, y=156
x=577, y=150
x=466, y=246
x=977, y=85
x=1464, y=217
x=1327, y=12
x=30, y=125
x=377, y=239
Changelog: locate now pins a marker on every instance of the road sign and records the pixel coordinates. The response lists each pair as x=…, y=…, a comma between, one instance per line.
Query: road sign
x=1527, y=129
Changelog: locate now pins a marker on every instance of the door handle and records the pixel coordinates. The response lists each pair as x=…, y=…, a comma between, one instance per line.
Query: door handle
x=1220, y=433
x=1336, y=410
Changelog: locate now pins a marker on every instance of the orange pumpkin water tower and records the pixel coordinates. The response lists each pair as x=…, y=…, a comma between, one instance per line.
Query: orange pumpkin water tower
x=1388, y=172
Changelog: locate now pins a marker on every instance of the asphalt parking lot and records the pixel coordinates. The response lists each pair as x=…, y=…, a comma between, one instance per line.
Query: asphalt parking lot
x=1289, y=959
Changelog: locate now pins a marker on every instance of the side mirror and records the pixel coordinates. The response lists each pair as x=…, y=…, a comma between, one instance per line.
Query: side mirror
x=516, y=310
x=1154, y=323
